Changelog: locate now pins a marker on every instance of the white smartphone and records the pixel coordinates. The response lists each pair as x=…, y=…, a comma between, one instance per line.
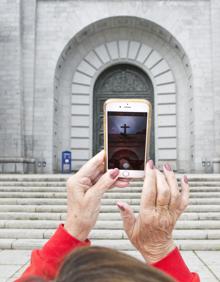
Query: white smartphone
x=127, y=124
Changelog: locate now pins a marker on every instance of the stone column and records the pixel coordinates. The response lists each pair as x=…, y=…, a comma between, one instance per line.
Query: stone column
x=28, y=25
x=215, y=31
x=11, y=90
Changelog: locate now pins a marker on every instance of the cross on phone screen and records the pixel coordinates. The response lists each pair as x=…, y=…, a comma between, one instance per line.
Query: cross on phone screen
x=126, y=140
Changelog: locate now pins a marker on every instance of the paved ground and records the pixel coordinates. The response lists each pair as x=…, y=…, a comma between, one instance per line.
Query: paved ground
x=206, y=263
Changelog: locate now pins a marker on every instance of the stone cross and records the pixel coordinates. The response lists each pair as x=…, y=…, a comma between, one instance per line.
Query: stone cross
x=125, y=126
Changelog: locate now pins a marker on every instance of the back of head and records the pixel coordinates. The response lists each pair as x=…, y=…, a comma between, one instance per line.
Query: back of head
x=99, y=264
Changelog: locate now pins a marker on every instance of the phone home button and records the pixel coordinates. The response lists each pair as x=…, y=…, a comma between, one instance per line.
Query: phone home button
x=125, y=173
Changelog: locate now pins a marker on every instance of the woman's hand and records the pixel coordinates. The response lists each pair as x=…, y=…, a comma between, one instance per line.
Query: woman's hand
x=161, y=205
x=84, y=193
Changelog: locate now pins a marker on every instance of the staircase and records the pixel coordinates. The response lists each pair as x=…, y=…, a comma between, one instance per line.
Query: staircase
x=32, y=206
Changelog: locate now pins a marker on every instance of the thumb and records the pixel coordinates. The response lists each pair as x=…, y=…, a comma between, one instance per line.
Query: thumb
x=128, y=217
x=106, y=181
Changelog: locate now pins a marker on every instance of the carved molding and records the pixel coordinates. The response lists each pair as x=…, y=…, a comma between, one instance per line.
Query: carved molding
x=121, y=81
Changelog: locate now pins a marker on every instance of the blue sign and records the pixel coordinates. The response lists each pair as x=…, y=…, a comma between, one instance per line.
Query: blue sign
x=66, y=161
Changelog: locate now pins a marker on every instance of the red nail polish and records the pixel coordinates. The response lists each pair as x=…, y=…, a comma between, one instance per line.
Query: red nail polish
x=186, y=180
x=114, y=173
x=121, y=207
x=151, y=164
x=167, y=167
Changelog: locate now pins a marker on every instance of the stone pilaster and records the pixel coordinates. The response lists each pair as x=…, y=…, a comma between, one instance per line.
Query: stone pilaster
x=215, y=30
x=11, y=90
x=28, y=40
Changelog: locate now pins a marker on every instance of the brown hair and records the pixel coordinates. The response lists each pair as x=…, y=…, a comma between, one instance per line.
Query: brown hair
x=99, y=264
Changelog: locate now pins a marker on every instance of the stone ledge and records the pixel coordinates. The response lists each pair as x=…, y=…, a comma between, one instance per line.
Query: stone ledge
x=17, y=160
x=17, y=165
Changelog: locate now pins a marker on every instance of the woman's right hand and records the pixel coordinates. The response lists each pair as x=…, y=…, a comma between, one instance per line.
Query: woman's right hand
x=85, y=190
x=161, y=205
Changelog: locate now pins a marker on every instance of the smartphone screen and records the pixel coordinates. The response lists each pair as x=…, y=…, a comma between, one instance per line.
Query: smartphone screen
x=126, y=140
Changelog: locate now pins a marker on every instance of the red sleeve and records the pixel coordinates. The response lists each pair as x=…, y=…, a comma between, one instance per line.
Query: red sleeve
x=45, y=263
x=174, y=265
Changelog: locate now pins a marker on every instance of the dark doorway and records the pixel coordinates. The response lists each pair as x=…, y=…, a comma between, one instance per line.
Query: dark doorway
x=120, y=81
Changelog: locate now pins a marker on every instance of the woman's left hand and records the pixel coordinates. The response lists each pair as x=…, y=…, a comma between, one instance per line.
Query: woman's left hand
x=161, y=205
x=85, y=190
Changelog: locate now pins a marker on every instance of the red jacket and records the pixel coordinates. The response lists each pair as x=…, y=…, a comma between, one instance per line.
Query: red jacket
x=45, y=263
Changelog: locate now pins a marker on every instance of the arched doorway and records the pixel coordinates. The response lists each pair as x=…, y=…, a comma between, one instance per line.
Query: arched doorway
x=144, y=47
x=120, y=81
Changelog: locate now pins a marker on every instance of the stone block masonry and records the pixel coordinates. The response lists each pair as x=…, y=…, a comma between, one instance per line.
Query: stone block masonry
x=36, y=121
x=11, y=90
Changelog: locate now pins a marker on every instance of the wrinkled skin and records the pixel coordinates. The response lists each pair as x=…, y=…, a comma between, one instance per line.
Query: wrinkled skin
x=161, y=205
x=85, y=190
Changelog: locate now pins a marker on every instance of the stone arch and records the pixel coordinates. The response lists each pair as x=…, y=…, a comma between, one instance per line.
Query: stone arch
x=138, y=42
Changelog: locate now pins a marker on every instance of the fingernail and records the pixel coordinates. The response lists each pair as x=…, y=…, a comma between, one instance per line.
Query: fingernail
x=114, y=173
x=151, y=164
x=120, y=207
x=186, y=180
x=167, y=167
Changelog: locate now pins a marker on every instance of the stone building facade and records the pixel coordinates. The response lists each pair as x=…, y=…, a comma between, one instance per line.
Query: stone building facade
x=54, y=52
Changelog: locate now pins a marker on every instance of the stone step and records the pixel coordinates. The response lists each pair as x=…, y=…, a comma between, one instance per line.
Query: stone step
x=35, y=189
x=33, y=184
x=182, y=244
x=115, y=195
x=196, y=176
x=139, y=189
x=123, y=245
x=120, y=234
x=105, y=234
x=183, y=224
x=62, y=178
x=57, y=201
x=63, y=183
x=106, y=209
x=51, y=177
x=135, y=195
x=102, y=224
x=31, y=216
x=103, y=216
x=114, y=190
x=34, y=177
x=32, y=206
x=192, y=183
x=204, y=183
